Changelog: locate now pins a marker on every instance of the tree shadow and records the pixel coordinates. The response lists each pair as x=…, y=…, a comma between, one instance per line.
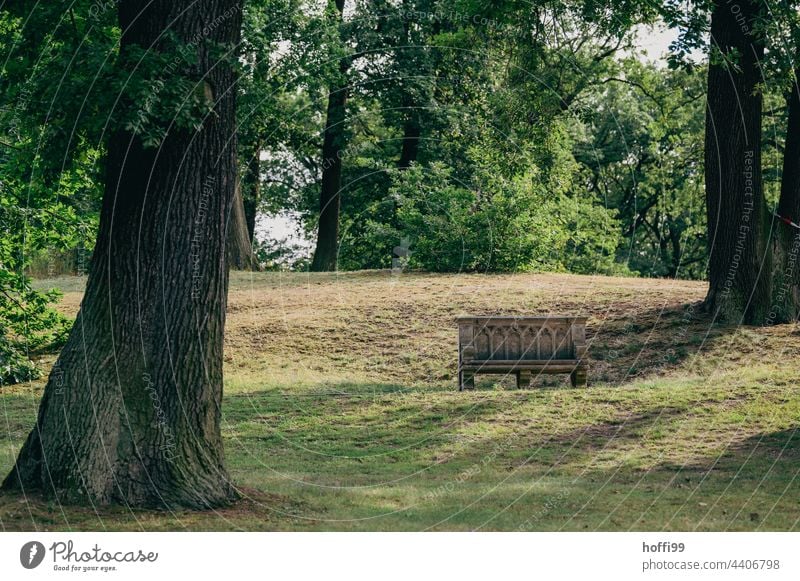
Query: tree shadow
x=455, y=461
x=590, y=477
x=651, y=342
x=753, y=485
x=773, y=455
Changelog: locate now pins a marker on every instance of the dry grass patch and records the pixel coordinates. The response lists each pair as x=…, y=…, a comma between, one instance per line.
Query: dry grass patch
x=341, y=413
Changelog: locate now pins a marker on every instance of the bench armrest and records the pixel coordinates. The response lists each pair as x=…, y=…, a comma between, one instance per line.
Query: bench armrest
x=579, y=341
x=468, y=353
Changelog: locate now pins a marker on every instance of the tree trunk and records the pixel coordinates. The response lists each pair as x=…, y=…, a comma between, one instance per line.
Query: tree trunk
x=333, y=145
x=677, y=253
x=131, y=410
x=738, y=287
x=786, y=240
x=251, y=189
x=409, y=66
x=239, y=245
x=410, y=146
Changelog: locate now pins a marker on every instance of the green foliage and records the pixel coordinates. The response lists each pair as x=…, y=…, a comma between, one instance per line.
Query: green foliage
x=30, y=225
x=507, y=225
x=275, y=254
x=50, y=172
x=66, y=87
x=497, y=186
x=593, y=238
x=161, y=93
x=639, y=145
x=27, y=322
x=27, y=325
x=542, y=143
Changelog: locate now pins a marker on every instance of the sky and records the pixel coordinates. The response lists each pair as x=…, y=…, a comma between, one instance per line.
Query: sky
x=656, y=40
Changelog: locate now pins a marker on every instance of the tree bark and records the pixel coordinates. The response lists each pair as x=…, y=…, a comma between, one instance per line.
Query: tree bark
x=786, y=240
x=677, y=253
x=409, y=148
x=333, y=146
x=131, y=410
x=736, y=211
x=251, y=189
x=239, y=245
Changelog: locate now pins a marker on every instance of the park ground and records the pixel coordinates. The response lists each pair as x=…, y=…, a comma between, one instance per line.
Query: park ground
x=341, y=413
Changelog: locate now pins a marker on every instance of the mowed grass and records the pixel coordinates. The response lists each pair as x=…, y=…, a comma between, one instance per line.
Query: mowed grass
x=341, y=413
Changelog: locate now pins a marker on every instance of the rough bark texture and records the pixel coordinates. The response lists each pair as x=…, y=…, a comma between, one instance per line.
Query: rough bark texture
x=739, y=278
x=333, y=145
x=131, y=410
x=786, y=238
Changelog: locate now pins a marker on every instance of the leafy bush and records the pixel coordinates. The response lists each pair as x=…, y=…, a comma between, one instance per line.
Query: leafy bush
x=27, y=324
x=34, y=225
x=508, y=225
x=275, y=254
x=594, y=236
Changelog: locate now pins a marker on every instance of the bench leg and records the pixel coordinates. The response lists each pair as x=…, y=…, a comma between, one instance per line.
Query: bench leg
x=523, y=379
x=578, y=377
x=466, y=380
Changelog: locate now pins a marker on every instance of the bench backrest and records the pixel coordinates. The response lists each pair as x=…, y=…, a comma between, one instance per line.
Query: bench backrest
x=521, y=338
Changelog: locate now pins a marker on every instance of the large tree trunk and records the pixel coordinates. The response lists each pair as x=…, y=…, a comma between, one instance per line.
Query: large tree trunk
x=333, y=145
x=131, y=410
x=738, y=287
x=786, y=239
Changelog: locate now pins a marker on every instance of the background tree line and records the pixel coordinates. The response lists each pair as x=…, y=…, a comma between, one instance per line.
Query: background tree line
x=485, y=136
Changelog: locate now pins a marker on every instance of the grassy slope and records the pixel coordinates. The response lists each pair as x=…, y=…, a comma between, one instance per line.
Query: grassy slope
x=341, y=414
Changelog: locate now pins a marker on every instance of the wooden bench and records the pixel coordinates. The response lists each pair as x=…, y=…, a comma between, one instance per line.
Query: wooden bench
x=521, y=345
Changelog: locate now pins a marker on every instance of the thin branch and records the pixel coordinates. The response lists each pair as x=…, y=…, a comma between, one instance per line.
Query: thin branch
x=639, y=86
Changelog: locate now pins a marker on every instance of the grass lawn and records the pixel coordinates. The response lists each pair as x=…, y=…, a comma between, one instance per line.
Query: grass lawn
x=341, y=413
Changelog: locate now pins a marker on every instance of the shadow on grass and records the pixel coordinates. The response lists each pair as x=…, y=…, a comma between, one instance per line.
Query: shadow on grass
x=376, y=457
x=753, y=485
x=539, y=482
x=649, y=342
x=588, y=479
x=769, y=456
